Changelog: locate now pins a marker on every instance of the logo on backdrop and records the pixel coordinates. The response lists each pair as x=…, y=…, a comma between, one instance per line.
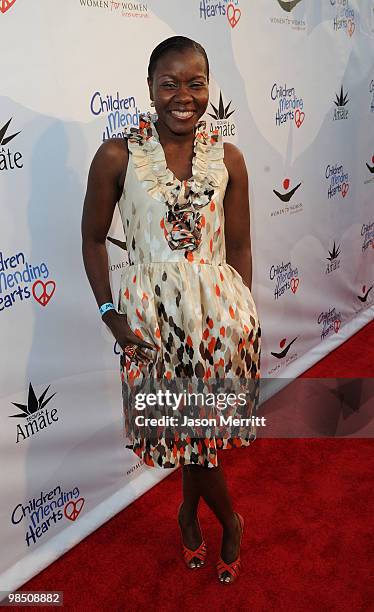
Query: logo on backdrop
x=363, y=298
x=344, y=17
x=338, y=181
x=293, y=23
x=286, y=195
x=36, y=416
x=286, y=279
x=290, y=107
x=288, y=5
x=119, y=113
x=282, y=355
x=135, y=467
x=333, y=259
x=119, y=265
x=122, y=9
x=19, y=280
x=9, y=160
x=42, y=513
x=367, y=233
x=228, y=9
x=341, y=101
x=113, y=268
x=370, y=171
x=5, y=5
x=371, y=93
x=330, y=321
x=220, y=115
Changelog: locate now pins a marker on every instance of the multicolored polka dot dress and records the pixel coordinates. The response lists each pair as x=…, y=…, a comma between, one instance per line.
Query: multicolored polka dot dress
x=178, y=291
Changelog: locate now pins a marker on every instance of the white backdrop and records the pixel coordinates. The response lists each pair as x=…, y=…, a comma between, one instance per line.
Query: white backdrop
x=297, y=86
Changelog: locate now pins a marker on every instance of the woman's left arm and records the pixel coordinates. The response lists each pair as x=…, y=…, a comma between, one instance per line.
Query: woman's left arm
x=237, y=215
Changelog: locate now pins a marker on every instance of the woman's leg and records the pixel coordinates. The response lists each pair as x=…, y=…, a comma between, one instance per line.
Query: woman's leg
x=211, y=485
x=187, y=517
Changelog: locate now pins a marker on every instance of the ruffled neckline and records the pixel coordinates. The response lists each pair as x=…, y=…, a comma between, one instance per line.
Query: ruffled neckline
x=200, y=128
x=151, y=166
x=182, y=221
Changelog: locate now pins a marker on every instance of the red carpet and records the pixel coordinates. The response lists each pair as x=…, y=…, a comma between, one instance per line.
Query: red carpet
x=308, y=529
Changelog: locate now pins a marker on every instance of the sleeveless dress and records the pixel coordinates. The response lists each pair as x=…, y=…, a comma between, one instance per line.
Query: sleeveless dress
x=178, y=291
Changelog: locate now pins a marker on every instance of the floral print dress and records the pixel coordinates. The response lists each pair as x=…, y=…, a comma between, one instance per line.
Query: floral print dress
x=178, y=291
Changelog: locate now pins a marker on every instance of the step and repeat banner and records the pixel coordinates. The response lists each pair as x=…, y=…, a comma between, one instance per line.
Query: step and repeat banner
x=293, y=86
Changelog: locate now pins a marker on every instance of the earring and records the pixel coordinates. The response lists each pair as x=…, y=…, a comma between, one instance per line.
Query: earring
x=152, y=103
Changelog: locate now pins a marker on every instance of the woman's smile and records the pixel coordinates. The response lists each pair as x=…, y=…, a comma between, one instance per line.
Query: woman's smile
x=182, y=115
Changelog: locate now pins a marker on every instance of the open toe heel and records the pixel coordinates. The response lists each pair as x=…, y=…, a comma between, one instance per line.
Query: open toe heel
x=233, y=568
x=198, y=553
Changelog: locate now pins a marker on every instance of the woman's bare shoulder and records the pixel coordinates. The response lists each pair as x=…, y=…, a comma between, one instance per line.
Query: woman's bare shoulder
x=113, y=150
x=232, y=152
x=233, y=158
x=111, y=159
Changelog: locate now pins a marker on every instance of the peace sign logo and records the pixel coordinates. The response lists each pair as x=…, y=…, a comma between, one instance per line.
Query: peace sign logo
x=299, y=118
x=73, y=509
x=233, y=15
x=41, y=292
x=5, y=5
x=294, y=284
x=351, y=27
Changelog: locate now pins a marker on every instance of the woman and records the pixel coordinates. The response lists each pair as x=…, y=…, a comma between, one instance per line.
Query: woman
x=185, y=307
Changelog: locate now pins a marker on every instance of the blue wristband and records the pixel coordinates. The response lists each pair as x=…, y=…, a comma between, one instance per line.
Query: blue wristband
x=105, y=307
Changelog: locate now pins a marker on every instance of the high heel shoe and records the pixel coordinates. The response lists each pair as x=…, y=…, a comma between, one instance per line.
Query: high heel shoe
x=199, y=553
x=234, y=567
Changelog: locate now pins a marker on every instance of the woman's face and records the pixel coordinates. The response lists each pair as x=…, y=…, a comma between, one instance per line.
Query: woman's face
x=180, y=90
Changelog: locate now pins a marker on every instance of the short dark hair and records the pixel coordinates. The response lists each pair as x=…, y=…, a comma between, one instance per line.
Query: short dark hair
x=175, y=43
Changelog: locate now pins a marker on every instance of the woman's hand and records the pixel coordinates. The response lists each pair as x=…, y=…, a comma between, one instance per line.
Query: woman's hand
x=124, y=335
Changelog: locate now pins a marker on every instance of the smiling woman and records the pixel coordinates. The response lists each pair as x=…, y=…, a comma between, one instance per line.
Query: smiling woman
x=168, y=73
x=185, y=307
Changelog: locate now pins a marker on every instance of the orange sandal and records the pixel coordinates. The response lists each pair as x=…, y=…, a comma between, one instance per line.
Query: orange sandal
x=199, y=552
x=232, y=568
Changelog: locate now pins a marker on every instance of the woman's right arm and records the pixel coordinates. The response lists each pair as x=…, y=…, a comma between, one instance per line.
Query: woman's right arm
x=104, y=189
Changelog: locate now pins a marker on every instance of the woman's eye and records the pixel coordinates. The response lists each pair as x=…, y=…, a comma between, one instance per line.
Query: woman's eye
x=168, y=85
x=195, y=85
